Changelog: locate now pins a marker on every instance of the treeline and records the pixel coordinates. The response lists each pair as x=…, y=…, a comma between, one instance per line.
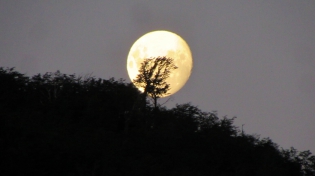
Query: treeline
x=59, y=124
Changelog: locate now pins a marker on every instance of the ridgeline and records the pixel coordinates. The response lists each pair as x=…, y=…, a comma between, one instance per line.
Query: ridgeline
x=58, y=124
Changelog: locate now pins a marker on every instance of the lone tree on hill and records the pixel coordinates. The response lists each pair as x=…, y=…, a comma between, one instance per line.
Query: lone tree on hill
x=152, y=77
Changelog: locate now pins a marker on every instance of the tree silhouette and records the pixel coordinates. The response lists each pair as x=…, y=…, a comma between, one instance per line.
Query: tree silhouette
x=152, y=77
x=58, y=124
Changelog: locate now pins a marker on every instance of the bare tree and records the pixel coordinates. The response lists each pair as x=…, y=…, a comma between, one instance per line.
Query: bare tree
x=152, y=77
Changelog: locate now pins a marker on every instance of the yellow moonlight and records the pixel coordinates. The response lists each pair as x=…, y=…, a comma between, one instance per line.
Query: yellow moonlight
x=162, y=43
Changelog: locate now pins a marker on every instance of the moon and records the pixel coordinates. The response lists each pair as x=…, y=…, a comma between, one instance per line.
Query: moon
x=158, y=44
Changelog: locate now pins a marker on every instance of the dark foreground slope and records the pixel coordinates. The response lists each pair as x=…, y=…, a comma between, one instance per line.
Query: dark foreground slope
x=57, y=124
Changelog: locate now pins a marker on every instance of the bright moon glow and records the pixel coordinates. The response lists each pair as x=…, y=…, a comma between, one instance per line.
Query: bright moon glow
x=158, y=44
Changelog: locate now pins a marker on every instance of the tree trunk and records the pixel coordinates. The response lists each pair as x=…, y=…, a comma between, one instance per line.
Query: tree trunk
x=155, y=102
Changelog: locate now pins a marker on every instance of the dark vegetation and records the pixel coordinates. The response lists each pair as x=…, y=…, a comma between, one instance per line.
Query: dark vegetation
x=152, y=77
x=58, y=124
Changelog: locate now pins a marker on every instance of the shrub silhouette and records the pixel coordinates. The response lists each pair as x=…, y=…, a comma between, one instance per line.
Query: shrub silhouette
x=57, y=124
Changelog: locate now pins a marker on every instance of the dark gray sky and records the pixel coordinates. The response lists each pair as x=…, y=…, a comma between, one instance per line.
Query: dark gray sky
x=252, y=59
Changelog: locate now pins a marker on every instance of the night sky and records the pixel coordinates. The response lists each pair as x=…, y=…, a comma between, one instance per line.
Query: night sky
x=252, y=59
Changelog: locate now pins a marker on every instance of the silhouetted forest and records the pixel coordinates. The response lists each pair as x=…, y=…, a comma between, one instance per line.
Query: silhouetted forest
x=59, y=124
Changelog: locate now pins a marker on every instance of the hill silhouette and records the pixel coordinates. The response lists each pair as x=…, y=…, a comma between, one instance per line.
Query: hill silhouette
x=59, y=124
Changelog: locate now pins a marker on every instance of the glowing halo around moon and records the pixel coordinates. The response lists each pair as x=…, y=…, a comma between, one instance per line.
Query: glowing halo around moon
x=158, y=44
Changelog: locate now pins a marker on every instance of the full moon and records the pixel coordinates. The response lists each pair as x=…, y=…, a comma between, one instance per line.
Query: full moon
x=162, y=44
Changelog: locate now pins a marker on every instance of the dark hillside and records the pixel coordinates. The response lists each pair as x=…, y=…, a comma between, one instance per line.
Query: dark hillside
x=58, y=124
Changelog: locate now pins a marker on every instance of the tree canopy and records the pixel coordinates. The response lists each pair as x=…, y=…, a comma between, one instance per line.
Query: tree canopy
x=152, y=77
x=59, y=124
